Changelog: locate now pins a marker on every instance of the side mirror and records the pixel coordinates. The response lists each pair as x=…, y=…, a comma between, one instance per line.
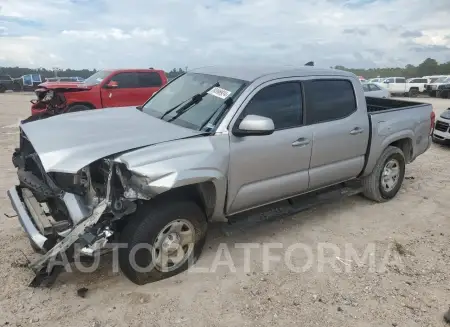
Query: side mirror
x=112, y=85
x=254, y=125
x=386, y=82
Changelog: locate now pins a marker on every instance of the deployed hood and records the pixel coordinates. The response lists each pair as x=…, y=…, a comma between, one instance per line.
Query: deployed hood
x=68, y=142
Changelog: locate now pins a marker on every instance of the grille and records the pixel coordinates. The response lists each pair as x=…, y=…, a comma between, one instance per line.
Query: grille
x=441, y=126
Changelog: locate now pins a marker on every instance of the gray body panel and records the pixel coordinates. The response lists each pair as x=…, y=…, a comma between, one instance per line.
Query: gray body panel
x=246, y=172
x=67, y=143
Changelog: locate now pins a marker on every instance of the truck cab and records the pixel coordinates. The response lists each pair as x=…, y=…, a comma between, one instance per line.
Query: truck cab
x=103, y=89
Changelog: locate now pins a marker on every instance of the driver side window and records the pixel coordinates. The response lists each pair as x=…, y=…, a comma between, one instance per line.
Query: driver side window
x=280, y=102
x=125, y=80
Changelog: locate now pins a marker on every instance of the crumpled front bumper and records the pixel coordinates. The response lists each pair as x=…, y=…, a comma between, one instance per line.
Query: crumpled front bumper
x=35, y=236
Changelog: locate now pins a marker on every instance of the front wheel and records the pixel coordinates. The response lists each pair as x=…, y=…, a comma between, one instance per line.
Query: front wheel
x=387, y=177
x=162, y=240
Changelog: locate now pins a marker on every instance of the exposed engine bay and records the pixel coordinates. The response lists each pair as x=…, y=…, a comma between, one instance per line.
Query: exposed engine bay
x=85, y=208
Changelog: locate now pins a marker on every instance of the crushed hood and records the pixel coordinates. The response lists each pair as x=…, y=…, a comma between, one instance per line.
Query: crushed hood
x=68, y=142
x=69, y=86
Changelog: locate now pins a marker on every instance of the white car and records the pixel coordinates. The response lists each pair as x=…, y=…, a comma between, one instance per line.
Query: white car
x=373, y=90
x=376, y=80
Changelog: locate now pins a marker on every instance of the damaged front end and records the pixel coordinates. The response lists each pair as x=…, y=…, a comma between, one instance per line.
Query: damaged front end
x=70, y=215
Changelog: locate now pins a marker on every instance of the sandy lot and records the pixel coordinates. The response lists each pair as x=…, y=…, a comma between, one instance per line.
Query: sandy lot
x=411, y=231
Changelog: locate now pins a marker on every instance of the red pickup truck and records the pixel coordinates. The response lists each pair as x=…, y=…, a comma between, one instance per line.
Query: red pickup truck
x=104, y=89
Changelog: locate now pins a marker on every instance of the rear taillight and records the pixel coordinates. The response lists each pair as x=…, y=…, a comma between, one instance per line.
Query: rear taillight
x=433, y=119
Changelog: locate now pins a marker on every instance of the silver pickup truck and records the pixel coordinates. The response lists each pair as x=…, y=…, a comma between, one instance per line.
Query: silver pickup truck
x=213, y=144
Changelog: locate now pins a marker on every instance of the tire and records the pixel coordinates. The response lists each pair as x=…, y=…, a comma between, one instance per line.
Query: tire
x=432, y=94
x=413, y=93
x=149, y=221
x=78, y=107
x=373, y=188
x=444, y=94
x=2, y=89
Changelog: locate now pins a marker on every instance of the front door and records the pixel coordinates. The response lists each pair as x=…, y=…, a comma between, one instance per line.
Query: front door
x=264, y=169
x=124, y=94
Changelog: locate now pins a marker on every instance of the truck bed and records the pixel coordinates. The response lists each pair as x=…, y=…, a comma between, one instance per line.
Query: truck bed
x=377, y=105
x=389, y=122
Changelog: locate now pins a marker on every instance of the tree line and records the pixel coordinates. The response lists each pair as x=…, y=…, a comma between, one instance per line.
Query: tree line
x=16, y=72
x=428, y=67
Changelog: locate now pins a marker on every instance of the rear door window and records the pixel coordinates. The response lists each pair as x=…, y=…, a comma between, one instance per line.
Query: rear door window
x=328, y=100
x=150, y=79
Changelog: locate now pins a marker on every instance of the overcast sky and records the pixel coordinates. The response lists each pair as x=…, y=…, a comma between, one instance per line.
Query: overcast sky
x=179, y=33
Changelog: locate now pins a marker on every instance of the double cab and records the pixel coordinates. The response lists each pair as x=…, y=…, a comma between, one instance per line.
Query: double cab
x=103, y=89
x=212, y=145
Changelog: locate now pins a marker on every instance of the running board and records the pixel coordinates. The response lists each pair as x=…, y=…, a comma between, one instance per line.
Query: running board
x=289, y=207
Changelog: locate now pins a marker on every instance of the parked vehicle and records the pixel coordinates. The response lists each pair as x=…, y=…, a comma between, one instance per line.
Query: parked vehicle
x=441, y=132
x=433, y=89
x=444, y=90
x=376, y=80
x=399, y=85
x=213, y=143
x=362, y=79
x=373, y=90
x=7, y=83
x=104, y=89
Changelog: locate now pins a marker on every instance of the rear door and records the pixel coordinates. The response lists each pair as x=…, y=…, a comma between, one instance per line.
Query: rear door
x=400, y=85
x=124, y=94
x=340, y=130
x=149, y=83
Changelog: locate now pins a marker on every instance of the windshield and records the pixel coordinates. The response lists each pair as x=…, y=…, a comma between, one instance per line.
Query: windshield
x=97, y=77
x=441, y=79
x=182, y=89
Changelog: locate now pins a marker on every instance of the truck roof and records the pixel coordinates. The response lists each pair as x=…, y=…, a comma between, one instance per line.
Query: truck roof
x=251, y=73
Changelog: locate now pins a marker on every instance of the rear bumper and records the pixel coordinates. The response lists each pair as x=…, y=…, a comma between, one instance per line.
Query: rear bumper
x=26, y=221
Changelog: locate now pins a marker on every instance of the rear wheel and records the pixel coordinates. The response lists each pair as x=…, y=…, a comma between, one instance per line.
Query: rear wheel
x=387, y=177
x=163, y=239
x=413, y=93
x=2, y=89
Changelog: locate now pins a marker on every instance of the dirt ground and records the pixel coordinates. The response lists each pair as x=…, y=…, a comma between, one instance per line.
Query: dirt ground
x=413, y=229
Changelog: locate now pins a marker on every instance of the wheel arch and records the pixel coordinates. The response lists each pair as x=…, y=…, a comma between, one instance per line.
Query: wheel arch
x=208, y=191
x=87, y=104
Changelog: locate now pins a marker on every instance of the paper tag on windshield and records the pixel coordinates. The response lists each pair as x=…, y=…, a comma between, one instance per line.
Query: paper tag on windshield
x=219, y=92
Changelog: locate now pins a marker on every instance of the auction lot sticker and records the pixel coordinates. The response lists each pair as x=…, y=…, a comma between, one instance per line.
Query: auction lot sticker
x=219, y=92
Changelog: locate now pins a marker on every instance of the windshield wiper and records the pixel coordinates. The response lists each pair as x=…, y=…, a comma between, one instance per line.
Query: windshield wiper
x=194, y=100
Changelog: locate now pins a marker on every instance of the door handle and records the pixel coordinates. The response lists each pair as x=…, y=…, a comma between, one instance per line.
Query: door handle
x=356, y=130
x=301, y=142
